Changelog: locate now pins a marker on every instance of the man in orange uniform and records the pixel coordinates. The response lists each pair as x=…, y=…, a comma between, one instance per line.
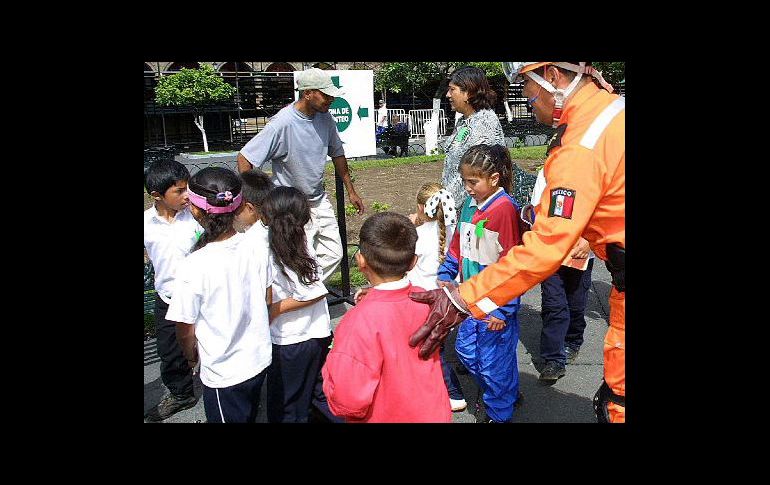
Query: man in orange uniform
x=585, y=195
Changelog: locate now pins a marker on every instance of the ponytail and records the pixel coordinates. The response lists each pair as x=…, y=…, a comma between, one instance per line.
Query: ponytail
x=285, y=212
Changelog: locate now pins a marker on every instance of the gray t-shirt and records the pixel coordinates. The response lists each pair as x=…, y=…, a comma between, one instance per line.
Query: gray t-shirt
x=297, y=146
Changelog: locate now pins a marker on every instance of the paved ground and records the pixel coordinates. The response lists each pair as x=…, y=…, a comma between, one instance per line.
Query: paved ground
x=566, y=401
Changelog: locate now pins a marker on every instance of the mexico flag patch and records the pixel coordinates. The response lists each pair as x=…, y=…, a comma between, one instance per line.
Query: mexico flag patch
x=562, y=201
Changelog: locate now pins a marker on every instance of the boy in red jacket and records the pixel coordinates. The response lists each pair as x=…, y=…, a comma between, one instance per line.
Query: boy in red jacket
x=371, y=374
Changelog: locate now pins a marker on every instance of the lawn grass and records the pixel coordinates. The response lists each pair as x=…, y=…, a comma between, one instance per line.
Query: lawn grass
x=357, y=278
x=211, y=152
x=536, y=152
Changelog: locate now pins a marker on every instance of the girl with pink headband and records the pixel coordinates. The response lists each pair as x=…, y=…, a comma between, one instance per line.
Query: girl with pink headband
x=220, y=302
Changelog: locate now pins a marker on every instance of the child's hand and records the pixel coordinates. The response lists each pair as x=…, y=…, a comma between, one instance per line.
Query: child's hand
x=413, y=217
x=581, y=249
x=449, y=284
x=360, y=294
x=495, y=324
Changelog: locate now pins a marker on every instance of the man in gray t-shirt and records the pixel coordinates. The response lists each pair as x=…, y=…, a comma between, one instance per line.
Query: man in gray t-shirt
x=296, y=141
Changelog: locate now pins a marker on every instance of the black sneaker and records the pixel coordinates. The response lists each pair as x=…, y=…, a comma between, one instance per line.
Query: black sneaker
x=571, y=354
x=169, y=406
x=552, y=371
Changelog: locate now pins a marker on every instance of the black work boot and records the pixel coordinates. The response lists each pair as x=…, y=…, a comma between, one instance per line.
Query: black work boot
x=552, y=371
x=169, y=406
x=571, y=354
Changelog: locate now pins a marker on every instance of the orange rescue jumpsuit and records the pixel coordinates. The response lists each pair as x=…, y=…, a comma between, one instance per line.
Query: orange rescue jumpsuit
x=590, y=165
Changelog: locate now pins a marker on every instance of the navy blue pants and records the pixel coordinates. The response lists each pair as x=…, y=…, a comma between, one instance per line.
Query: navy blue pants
x=174, y=371
x=294, y=382
x=234, y=404
x=450, y=378
x=564, y=296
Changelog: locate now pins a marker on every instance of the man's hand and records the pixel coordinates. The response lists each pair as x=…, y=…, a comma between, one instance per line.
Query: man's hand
x=443, y=317
x=194, y=367
x=356, y=201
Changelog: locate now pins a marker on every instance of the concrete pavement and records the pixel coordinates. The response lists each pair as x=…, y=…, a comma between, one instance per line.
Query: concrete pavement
x=566, y=401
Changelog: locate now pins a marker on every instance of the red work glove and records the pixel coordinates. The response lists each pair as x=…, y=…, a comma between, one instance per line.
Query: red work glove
x=443, y=317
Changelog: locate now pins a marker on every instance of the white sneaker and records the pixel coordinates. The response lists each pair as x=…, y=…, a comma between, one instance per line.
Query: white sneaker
x=457, y=404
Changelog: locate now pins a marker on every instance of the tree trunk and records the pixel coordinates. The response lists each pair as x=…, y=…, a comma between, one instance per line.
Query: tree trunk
x=508, y=113
x=434, y=125
x=198, y=120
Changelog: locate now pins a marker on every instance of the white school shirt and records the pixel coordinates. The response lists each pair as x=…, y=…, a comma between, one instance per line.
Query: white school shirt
x=259, y=231
x=220, y=288
x=427, y=250
x=304, y=323
x=167, y=244
x=537, y=192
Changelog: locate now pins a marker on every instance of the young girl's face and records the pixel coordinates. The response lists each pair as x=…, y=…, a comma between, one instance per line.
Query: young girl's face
x=421, y=217
x=245, y=216
x=478, y=185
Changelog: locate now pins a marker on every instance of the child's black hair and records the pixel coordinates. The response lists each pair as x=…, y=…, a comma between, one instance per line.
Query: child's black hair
x=488, y=159
x=256, y=185
x=207, y=183
x=162, y=174
x=285, y=212
x=387, y=241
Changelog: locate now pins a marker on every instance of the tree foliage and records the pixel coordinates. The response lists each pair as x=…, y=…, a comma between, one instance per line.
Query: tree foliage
x=419, y=76
x=193, y=87
x=612, y=72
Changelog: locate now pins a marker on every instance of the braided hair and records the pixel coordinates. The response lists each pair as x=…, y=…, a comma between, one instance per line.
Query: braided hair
x=488, y=159
x=425, y=193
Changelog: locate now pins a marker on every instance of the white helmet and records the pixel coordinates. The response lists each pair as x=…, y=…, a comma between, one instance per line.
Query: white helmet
x=515, y=70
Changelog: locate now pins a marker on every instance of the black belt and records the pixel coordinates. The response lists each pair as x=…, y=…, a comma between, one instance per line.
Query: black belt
x=616, y=265
x=601, y=398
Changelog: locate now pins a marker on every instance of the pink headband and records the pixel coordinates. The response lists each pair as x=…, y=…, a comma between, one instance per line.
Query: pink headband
x=201, y=202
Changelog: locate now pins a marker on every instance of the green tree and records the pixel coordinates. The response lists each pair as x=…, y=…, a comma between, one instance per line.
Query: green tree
x=403, y=76
x=194, y=88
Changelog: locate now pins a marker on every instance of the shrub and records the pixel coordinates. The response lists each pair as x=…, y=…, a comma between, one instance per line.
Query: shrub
x=379, y=206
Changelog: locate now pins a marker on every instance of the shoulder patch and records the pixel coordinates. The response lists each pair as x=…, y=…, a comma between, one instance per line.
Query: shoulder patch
x=562, y=202
x=555, y=140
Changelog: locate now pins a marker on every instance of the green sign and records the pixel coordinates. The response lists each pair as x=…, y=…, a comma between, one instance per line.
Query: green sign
x=342, y=113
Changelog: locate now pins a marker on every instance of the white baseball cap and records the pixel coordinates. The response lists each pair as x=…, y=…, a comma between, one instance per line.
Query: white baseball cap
x=315, y=78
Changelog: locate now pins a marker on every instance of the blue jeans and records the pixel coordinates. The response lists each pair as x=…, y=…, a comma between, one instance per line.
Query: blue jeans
x=564, y=296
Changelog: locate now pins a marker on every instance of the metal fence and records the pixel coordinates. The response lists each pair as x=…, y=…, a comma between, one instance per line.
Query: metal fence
x=418, y=117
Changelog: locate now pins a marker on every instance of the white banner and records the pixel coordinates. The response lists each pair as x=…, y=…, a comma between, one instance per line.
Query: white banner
x=353, y=111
